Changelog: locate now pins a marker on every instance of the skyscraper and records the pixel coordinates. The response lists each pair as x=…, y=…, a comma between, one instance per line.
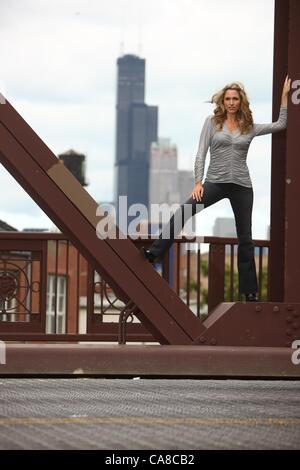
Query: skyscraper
x=168, y=184
x=136, y=129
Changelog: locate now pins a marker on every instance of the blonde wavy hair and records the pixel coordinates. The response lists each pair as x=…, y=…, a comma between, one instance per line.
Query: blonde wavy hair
x=244, y=114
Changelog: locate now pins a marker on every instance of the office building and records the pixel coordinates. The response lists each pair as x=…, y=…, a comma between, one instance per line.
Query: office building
x=167, y=184
x=136, y=129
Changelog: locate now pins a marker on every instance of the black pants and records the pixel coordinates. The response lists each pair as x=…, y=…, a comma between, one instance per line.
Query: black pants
x=241, y=200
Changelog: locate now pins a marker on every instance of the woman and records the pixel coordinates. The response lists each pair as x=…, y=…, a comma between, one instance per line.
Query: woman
x=228, y=134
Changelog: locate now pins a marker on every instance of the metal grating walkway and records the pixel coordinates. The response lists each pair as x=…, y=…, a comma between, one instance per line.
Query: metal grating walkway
x=158, y=414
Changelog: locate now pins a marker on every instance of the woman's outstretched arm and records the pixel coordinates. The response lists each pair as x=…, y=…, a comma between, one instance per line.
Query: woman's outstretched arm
x=281, y=123
x=285, y=91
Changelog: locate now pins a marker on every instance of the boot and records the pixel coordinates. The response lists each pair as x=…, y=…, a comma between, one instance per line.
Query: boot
x=252, y=297
x=147, y=255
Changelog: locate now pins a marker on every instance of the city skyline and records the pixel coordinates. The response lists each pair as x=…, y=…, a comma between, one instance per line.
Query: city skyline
x=67, y=89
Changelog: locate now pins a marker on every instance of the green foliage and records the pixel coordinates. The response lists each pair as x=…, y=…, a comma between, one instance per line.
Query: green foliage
x=204, y=292
x=227, y=284
x=204, y=268
x=193, y=286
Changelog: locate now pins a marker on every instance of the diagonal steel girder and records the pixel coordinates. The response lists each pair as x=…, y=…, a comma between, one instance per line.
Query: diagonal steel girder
x=73, y=210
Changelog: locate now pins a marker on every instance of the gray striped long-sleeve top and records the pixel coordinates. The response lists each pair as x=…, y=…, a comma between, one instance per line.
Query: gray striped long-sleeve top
x=228, y=150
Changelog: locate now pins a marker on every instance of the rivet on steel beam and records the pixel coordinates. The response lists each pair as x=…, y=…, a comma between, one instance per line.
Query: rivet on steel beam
x=296, y=314
x=258, y=308
x=275, y=309
x=289, y=307
x=289, y=319
x=289, y=332
x=295, y=325
x=202, y=340
x=213, y=341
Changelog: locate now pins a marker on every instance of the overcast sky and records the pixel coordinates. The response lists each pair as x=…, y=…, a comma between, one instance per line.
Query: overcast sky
x=58, y=69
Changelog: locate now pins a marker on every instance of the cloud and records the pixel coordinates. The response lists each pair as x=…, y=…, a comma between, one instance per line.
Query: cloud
x=193, y=45
x=19, y=209
x=88, y=128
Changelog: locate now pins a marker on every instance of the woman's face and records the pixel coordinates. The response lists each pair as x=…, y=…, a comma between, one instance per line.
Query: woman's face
x=232, y=101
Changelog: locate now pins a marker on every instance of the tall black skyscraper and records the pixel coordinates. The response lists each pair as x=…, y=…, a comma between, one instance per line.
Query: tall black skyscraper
x=136, y=128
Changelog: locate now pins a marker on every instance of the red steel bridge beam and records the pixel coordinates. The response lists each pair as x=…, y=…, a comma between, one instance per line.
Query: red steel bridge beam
x=285, y=172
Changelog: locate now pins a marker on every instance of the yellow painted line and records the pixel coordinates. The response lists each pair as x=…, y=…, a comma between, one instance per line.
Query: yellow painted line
x=150, y=420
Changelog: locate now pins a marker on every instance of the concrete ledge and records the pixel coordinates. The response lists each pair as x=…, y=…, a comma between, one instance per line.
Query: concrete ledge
x=152, y=360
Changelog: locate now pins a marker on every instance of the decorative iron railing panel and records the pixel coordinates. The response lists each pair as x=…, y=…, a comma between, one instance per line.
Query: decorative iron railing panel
x=48, y=291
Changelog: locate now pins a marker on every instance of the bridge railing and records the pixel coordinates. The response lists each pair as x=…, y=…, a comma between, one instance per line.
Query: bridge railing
x=49, y=292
